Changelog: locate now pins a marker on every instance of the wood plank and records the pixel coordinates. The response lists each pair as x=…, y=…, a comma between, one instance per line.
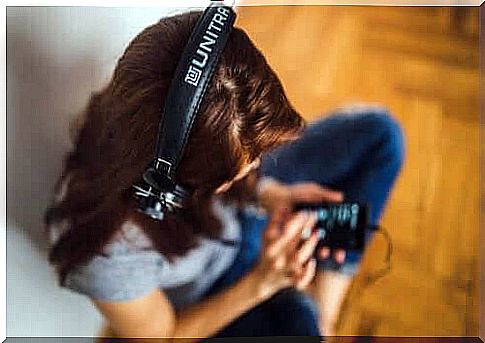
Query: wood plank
x=422, y=63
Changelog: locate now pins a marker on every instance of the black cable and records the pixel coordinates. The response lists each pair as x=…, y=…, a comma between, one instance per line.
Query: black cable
x=372, y=278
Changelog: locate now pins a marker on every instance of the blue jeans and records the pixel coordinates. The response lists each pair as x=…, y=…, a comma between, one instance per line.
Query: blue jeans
x=359, y=152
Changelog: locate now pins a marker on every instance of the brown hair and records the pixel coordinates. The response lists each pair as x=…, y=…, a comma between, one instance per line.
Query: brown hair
x=244, y=113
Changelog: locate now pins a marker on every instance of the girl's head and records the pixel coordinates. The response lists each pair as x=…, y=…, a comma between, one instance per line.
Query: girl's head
x=243, y=114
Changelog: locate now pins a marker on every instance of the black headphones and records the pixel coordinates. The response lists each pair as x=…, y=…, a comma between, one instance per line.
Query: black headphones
x=158, y=193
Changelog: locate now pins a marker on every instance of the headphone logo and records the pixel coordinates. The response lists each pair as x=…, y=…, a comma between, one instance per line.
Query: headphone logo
x=209, y=38
x=193, y=76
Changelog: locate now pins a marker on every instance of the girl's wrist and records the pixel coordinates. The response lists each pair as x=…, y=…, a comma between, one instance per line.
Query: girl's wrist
x=258, y=289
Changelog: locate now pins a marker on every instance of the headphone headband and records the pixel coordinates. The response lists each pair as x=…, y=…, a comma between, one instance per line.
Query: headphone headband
x=158, y=193
x=192, y=77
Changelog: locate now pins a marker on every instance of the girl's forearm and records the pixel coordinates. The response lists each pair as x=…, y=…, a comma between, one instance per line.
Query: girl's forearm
x=206, y=318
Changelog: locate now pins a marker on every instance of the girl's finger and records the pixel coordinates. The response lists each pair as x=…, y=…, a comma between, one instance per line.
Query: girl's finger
x=308, y=275
x=307, y=249
x=315, y=192
x=273, y=229
x=299, y=250
x=324, y=253
x=293, y=227
x=339, y=256
x=299, y=239
x=330, y=195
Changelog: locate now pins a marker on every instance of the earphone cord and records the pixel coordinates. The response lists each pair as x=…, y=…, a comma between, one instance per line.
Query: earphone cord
x=372, y=278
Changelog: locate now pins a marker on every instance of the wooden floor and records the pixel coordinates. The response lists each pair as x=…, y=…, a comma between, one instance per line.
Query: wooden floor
x=423, y=64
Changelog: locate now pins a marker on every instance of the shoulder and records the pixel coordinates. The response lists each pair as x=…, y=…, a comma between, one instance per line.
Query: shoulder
x=127, y=269
x=129, y=235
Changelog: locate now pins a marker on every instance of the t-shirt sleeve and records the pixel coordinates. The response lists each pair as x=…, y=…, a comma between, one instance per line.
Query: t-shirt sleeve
x=118, y=277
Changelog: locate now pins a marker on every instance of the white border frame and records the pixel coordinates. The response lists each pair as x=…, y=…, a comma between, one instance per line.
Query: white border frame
x=142, y=3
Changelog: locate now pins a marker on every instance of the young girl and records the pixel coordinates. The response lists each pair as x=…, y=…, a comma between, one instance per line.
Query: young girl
x=221, y=267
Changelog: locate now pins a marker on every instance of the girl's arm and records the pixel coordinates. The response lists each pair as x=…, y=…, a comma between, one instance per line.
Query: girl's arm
x=283, y=263
x=153, y=315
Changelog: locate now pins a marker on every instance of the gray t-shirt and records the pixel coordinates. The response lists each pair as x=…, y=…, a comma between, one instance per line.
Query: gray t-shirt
x=132, y=268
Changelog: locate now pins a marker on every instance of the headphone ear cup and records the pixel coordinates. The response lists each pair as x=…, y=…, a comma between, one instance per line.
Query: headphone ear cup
x=158, y=180
x=152, y=207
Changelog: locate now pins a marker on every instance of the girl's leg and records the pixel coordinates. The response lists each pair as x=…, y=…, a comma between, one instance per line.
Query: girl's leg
x=358, y=151
x=288, y=313
x=359, y=154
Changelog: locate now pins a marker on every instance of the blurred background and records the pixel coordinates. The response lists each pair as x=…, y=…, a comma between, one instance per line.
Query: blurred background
x=56, y=56
x=421, y=62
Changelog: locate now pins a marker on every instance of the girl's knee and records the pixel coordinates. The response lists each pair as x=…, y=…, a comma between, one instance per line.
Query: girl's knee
x=392, y=137
x=388, y=134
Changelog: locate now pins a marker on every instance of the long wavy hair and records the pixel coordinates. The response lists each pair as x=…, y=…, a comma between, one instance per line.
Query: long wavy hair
x=244, y=113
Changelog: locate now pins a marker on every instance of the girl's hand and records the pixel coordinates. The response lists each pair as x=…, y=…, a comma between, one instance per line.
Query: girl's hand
x=274, y=195
x=285, y=261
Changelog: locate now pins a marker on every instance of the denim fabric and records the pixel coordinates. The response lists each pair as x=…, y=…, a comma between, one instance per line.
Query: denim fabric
x=288, y=313
x=358, y=151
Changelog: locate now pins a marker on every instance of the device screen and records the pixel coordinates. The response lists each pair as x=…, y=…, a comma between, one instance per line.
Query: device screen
x=340, y=225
